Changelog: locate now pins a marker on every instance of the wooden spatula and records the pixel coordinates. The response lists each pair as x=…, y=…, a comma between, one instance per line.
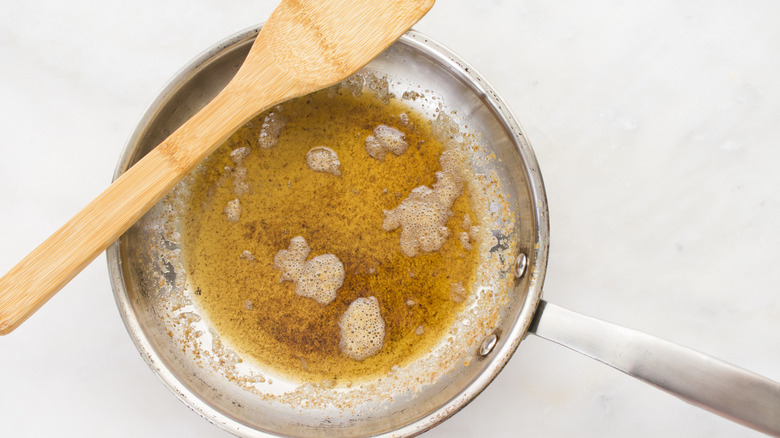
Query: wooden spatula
x=305, y=45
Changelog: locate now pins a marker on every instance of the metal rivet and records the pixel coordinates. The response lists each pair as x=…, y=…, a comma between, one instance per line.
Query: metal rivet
x=521, y=263
x=488, y=344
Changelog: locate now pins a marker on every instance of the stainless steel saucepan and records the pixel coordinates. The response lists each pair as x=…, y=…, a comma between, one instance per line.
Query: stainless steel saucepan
x=152, y=291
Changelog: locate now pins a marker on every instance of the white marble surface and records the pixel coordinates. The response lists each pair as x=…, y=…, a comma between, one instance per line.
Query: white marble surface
x=656, y=125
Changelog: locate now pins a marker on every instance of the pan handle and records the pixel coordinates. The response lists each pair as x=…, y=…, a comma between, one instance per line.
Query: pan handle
x=731, y=392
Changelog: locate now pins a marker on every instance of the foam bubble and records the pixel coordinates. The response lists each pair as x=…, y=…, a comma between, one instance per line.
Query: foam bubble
x=362, y=329
x=238, y=154
x=467, y=222
x=272, y=127
x=323, y=159
x=469, y=233
x=318, y=278
x=463, y=236
x=449, y=182
x=423, y=214
x=321, y=278
x=290, y=261
x=386, y=139
x=233, y=210
x=240, y=184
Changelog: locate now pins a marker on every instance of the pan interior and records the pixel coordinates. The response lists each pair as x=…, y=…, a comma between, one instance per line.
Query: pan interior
x=155, y=297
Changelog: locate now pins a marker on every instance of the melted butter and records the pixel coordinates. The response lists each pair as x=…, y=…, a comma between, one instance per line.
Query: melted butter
x=263, y=318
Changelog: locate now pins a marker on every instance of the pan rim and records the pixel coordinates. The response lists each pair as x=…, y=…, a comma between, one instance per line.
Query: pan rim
x=537, y=255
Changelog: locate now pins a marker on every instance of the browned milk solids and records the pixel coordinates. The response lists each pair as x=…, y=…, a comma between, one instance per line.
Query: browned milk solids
x=249, y=203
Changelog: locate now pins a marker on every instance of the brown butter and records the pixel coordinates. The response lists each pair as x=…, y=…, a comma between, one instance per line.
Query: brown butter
x=341, y=215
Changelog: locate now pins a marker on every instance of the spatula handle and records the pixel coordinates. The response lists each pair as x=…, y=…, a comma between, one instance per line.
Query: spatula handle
x=43, y=272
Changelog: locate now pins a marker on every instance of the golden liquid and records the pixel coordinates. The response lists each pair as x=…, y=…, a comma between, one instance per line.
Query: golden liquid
x=296, y=336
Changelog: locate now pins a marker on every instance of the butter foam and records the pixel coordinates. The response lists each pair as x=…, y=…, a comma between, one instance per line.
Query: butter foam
x=422, y=216
x=362, y=329
x=318, y=278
